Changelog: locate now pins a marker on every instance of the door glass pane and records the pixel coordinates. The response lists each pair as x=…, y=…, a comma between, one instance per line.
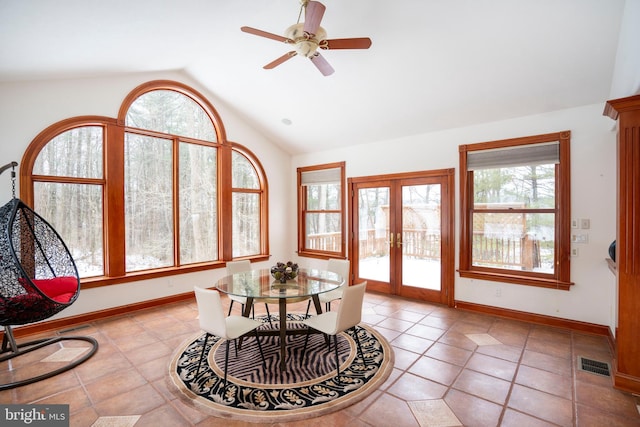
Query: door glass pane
x=198, y=208
x=148, y=202
x=75, y=212
x=421, y=243
x=373, y=233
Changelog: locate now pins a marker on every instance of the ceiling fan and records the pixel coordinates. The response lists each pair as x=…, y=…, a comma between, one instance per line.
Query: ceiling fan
x=308, y=37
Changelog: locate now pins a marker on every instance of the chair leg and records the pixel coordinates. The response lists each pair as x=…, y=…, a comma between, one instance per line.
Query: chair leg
x=8, y=340
x=306, y=340
x=230, y=307
x=355, y=332
x=226, y=364
x=327, y=306
x=308, y=307
x=268, y=314
x=264, y=363
x=335, y=347
x=204, y=346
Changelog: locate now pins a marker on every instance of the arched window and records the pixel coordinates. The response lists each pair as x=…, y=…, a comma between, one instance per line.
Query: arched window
x=248, y=204
x=157, y=191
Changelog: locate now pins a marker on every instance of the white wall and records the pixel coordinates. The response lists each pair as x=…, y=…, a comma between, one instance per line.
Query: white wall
x=593, y=197
x=26, y=108
x=626, y=74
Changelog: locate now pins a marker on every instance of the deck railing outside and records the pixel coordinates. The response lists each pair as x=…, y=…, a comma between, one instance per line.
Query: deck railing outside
x=516, y=252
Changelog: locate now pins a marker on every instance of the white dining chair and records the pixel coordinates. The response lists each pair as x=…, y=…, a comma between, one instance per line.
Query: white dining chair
x=214, y=322
x=234, y=267
x=342, y=267
x=331, y=323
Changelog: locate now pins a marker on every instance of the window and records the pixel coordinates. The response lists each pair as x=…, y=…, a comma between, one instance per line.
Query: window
x=515, y=199
x=321, y=211
x=247, y=206
x=68, y=191
x=140, y=196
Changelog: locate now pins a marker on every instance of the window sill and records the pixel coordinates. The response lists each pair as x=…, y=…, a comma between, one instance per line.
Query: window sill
x=321, y=255
x=516, y=279
x=95, y=282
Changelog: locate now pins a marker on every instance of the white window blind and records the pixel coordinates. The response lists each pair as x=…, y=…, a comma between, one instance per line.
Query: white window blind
x=321, y=176
x=524, y=155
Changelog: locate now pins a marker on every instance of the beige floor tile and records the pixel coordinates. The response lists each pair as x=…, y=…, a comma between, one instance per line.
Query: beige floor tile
x=434, y=413
x=450, y=367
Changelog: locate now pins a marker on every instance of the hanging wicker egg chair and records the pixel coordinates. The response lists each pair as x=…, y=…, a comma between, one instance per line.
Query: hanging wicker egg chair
x=38, y=279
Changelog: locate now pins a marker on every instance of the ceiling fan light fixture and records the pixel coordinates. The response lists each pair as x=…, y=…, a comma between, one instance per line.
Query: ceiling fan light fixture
x=305, y=44
x=306, y=48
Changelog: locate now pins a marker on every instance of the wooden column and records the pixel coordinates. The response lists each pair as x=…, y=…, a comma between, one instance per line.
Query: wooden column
x=626, y=369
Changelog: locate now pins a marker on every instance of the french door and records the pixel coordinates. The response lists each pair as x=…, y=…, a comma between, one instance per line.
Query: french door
x=402, y=229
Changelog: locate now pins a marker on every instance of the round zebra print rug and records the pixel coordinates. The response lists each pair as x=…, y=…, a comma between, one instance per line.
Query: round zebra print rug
x=307, y=388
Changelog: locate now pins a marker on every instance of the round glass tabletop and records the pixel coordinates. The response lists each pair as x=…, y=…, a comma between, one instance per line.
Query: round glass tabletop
x=260, y=284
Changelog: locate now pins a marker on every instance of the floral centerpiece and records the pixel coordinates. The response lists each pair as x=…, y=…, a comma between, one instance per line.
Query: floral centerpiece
x=283, y=272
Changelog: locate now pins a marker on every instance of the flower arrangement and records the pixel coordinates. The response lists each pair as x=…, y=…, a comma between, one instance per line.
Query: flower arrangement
x=283, y=272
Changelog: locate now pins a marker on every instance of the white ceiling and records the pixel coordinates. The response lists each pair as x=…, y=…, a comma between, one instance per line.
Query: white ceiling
x=433, y=64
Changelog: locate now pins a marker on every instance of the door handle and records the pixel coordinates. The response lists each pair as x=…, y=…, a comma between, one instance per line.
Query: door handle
x=399, y=240
x=391, y=239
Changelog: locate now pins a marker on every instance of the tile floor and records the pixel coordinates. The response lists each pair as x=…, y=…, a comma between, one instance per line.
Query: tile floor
x=451, y=368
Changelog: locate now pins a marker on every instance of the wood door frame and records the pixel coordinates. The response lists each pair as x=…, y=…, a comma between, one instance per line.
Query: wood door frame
x=448, y=216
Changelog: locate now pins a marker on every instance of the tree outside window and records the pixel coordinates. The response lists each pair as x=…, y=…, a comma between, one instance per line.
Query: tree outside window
x=246, y=204
x=69, y=193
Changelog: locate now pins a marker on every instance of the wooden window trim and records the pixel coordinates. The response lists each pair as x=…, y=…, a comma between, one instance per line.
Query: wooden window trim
x=560, y=279
x=263, y=191
x=302, y=200
x=113, y=183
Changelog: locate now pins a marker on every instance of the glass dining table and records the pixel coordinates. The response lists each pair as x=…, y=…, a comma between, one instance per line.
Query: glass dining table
x=259, y=286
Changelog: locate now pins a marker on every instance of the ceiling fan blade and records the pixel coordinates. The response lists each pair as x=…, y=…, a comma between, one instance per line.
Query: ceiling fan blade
x=312, y=16
x=325, y=68
x=261, y=33
x=353, y=43
x=283, y=58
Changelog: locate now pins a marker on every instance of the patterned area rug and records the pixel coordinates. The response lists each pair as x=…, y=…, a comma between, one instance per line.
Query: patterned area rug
x=307, y=388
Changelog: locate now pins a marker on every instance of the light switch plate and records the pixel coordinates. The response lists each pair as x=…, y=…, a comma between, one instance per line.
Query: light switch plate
x=579, y=238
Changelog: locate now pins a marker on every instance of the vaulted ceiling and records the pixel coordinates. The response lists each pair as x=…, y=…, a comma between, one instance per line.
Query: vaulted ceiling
x=433, y=64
